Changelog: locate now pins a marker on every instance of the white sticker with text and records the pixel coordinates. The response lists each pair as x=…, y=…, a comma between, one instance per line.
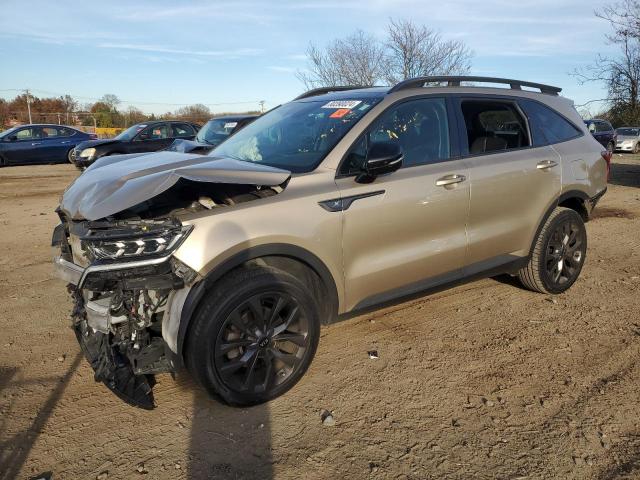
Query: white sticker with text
x=342, y=104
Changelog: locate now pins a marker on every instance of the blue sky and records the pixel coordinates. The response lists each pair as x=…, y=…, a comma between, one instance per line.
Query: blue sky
x=159, y=55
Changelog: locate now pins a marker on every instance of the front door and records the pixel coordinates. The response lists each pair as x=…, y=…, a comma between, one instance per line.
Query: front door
x=25, y=146
x=153, y=138
x=404, y=231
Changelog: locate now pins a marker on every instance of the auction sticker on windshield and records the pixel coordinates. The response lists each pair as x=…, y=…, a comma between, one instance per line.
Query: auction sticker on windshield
x=341, y=112
x=349, y=104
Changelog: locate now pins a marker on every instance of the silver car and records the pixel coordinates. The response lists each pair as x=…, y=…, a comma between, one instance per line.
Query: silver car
x=628, y=139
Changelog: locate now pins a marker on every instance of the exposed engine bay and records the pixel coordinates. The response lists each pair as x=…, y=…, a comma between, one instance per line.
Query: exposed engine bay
x=123, y=280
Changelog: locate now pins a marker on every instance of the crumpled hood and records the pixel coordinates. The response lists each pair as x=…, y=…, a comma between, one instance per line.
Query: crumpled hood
x=115, y=183
x=186, y=146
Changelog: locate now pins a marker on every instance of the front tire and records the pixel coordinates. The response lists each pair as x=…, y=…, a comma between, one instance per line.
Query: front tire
x=253, y=336
x=558, y=255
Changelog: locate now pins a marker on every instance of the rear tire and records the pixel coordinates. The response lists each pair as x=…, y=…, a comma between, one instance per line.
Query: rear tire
x=253, y=335
x=558, y=254
x=3, y=162
x=636, y=149
x=610, y=147
x=71, y=156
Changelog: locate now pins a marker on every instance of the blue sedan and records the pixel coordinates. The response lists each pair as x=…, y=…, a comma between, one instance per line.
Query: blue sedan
x=39, y=144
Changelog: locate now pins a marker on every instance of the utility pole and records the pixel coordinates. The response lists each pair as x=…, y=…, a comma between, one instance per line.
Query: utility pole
x=261, y=102
x=28, y=103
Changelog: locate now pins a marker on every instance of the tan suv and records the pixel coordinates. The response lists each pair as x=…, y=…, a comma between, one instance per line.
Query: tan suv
x=340, y=200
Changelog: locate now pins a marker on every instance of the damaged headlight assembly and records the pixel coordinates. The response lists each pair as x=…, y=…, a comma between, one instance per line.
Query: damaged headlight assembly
x=146, y=245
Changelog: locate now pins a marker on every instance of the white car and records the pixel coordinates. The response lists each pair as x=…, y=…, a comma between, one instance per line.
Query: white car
x=628, y=139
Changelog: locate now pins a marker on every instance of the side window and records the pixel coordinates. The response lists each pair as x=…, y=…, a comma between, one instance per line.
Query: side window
x=183, y=130
x=27, y=134
x=548, y=126
x=65, y=132
x=420, y=127
x=155, y=132
x=493, y=126
x=49, y=132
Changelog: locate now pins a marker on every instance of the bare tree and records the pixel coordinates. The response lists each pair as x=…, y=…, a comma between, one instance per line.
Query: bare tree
x=416, y=50
x=620, y=73
x=409, y=50
x=111, y=100
x=358, y=59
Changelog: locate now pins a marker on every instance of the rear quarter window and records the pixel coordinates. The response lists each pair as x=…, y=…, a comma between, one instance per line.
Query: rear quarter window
x=548, y=126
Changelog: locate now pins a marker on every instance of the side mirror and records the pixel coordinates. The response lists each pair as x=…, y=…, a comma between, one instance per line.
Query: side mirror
x=382, y=158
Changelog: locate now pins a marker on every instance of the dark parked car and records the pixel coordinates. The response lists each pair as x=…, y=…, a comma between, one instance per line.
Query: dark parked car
x=41, y=143
x=603, y=132
x=139, y=138
x=212, y=134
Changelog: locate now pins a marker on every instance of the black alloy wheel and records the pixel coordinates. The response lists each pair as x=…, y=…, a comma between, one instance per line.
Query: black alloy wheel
x=253, y=335
x=565, y=252
x=558, y=253
x=261, y=343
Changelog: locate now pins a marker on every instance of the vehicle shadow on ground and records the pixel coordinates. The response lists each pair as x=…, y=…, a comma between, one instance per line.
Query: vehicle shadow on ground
x=625, y=174
x=227, y=442
x=15, y=450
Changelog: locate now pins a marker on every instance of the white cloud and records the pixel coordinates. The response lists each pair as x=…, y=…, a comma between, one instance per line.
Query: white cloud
x=278, y=68
x=234, y=53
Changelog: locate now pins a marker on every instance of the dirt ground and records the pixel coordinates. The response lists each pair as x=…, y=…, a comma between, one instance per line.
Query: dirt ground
x=486, y=380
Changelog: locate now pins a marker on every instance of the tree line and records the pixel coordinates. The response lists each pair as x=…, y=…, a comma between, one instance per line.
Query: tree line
x=105, y=112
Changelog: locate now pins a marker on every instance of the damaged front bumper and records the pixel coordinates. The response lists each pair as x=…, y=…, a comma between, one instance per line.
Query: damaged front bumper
x=125, y=316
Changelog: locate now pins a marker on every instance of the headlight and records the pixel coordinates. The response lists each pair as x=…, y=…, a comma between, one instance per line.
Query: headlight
x=153, y=244
x=88, y=152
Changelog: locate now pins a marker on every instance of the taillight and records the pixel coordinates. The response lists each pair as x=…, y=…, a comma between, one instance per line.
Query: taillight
x=93, y=136
x=606, y=154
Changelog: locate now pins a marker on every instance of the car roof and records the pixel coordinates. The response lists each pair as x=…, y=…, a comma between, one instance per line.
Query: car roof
x=355, y=93
x=234, y=117
x=43, y=125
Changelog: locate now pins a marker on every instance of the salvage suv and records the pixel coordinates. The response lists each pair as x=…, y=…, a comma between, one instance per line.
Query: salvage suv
x=340, y=200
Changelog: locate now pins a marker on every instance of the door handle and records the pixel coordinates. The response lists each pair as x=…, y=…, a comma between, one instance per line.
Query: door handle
x=546, y=164
x=450, y=180
x=36, y=143
x=66, y=141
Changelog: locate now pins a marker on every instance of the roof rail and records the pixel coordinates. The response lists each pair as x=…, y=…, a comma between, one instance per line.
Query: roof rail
x=323, y=90
x=454, y=81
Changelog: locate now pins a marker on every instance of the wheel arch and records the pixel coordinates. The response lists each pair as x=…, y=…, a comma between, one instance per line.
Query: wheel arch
x=298, y=261
x=574, y=199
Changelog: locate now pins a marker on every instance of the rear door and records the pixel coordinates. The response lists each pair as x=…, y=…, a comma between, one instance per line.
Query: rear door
x=404, y=231
x=183, y=131
x=55, y=144
x=513, y=182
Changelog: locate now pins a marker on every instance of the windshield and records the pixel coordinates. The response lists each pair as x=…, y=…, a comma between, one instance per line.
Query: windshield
x=130, y=132
x=215, y=131
x=7, y=132
x=628, y=132
x=297, y=135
